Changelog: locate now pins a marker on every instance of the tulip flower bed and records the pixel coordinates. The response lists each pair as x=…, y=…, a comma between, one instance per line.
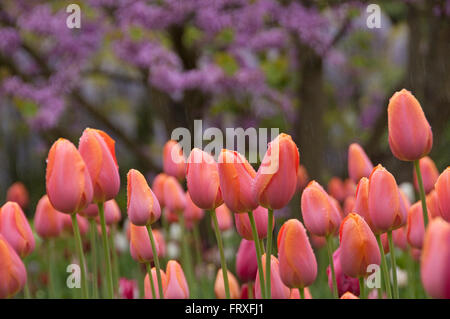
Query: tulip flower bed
x=362, y=238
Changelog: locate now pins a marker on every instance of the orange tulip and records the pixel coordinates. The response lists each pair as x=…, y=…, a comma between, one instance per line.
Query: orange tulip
x=302, y=178
x=385, y=202
x=158, y=188
x=429, y=173
x=277, y=288
x=236, y=177
x=432, y=203
x=192, y=212
x=174, y=196
x=98, y=151
x=359, y=164
x=15, y=229
x=68, y=183
x=219, y=286
x=358, y=246
x=336, y=189
x=142, y=205
x=435, y=259
x=177, y=287
x=443, y=193
x=298, y=265
x=349, y=187
x=410, y=136
x=140, y=246
x=320, y=214
x=148, y=287
x=244, y=227
x=47, y=220
x=13, y=274
x=276, y=180
x=18, y=193
x=203, y=183
x=415, y=229
x=295, y=294
x=174, y=162
x=348, y=295
x=361, y=206
x=224, y=218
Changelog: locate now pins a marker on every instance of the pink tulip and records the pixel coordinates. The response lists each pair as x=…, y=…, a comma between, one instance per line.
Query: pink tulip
x=192, y=212
x=244, y=227
x=246, y=262
x=219, y=286
x=344, y=283
x=399, y=238
x=349, y=187
x=432, y=202
x=359, y=164
x=83, y=224
x=148, y=287
x=224, y=218
x=302, y=178
x=98, y=151
x=112, y=212
x=91, y=211
x=18, y=193
x=142, y=206
x=128, y=289
x=443, y=193
x=174, y=162
x=15, y=229
x=177, y=287
x=47, y=220
x=295, y=294
x=278, y=289
x=158, y=188
x=349, y=204
x=140, y=246
x=336, y=188
x=68, y=183
x=429, y=173
x=13, y=274
x=415, y=229
x=174, y=195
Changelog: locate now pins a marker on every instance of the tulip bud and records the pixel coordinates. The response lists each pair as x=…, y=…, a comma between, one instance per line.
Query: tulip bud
x=203, y=183
x=98, y=151
x=47, y=220
x=192, y=212
x=349, y=187
x=432, y=202
x=13, y=274
x=244, y=292
x=361, y=206
x=298, y=265
x=68, y=183
x=277, y=288
x=112, y=212
x=358, y=246
x=443, y=193
x=244, y=227
x=385, y=201
x=399, y=237
x=174, y=162
x=410, y=136
x=160, y=242
x=142, y=205
x=91, y=211
x=236, y=177
x=359, y=164
x=174, y=196
x=415, y=229
x=177, y=287
x=148, y=287
x=276, y=180
x=435, y=259
x=15, y=229
x=246, y=262
x=83, y=224
x=344, y=283
x=336, y=188
x=302, y=178
x=320, y=215
x=158, y=188
x=224, y=218
x=18, y=193
x=348, y=295
x=219, y=286
x=429, y=173
x=317, y=242
x=349, y=204
x=128, y=289
x=140, y=245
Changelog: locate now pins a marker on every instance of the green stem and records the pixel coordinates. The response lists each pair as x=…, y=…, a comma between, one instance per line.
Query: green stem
x=422, y=193
x=222, y=255
x=106, y=250
x=393, y=264
x=301, y=291
x=384, y=267
x=250, y=290
x=258, y=254
x=114, y=259
x=329, y=240
x=187, y=262
x=411, y=275
x=198, y=244
x=51, y=269
x=150, y=277
x=156, y=261
x=79, y=246
x=26, y=291
x=362, y=288
x=93, y=235
x=269, y=252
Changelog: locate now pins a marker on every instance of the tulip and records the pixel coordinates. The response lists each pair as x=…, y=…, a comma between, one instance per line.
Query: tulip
x=295, y=294
x=298, y=265
x=112, y=212
x=317, y=242
x=336, y=188
x=140, y=246
x=400, y=240
x=236, y=177
x=349, y=187
x=344, y=283
x=348, y=295
x=415, y=229
x=359, y=164
x=47, y=220
x=246, y=262
x=302, y=178
x=128, y=289
x=174, y=195
x=82, y=222
x=13, y=274
x=278, y=289
x=358, y=246
x=219, y=288
x=142, y=205
x=435, y=259
x=174, y=162
x=320, y=215
x=429, y=172
x=192, y=212
x=361, y=206
x=15, y=229
x=159, y=238
x=91, y=211
x=203, y=183
x=158, y=188
x=224, y=218
x=443, y=193
x=149, y=284
x=18, y=193
x=244, y=227
x=98, y=151
x=177, y=287
x=246, y=292
x=349, y=204
x=432, y=201
x=68, y=183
